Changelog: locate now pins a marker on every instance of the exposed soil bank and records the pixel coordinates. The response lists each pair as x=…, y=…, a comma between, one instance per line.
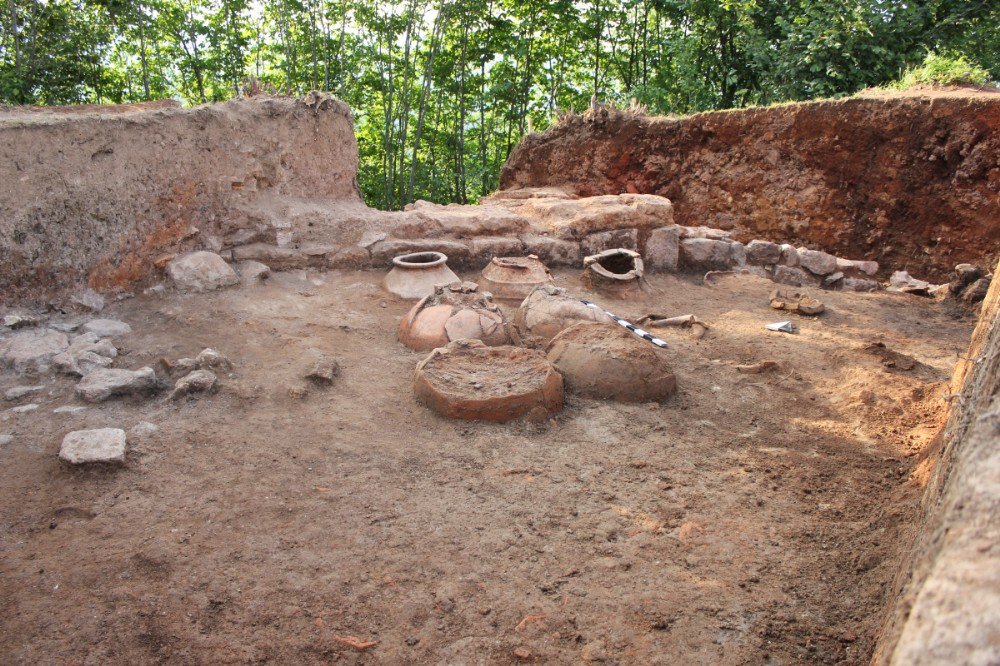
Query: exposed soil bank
x=910, y=181
x=947, y=605
x=98, y=193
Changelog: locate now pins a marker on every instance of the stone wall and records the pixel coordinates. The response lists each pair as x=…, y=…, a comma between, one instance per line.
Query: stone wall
x=910, y=181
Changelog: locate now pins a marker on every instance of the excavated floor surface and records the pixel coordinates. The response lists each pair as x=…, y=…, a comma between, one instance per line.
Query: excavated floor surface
x=752, y=518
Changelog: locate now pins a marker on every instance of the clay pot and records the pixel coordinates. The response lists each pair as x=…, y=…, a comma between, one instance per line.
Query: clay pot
x=548, y=310
x=616, y=268
x=514, y=277
x=415, y=275
x=606, y=361
x=468, y=380
x=455, y=312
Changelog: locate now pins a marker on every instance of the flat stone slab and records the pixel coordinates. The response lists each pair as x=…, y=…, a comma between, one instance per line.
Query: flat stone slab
x=32, y=351
x=99, y=385
x=104, y=445
x=468, y=380
x=107, y=328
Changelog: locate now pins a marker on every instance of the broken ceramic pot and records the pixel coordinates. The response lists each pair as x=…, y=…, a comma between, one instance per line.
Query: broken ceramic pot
x=617, y=267
x=514, y=277
x=415, y=275
x=456, y=312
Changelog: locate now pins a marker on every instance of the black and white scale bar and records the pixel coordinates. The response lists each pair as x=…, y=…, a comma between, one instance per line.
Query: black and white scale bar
x=628, y=325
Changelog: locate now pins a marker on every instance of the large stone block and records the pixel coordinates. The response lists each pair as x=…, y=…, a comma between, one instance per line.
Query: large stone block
x=609, y=240
x=202, y=271
x=553, y=251
x=662, y=251
x=706, y=254
x=99, y=385
x=763, y=253
x=817, y=261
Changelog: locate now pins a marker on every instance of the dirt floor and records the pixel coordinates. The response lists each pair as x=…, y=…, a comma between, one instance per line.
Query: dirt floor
x=752, y=518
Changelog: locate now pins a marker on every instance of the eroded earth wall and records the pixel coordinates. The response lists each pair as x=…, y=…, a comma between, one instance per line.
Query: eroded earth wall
x=946, y=607
x=98, y=193
x=911, y=181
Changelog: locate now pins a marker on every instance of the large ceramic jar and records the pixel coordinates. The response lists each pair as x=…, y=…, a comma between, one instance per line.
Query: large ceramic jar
x=514, y=277
x=415, y=275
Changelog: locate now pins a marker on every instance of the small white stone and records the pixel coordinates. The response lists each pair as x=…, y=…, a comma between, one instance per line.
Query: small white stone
x=144, y=429
x=6, y=439
x=19, y=392
x=104, y=445
x=30, y=407
x=69, y=409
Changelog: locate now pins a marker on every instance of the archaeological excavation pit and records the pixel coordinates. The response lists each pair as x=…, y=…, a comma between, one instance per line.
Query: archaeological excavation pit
x=288, y=496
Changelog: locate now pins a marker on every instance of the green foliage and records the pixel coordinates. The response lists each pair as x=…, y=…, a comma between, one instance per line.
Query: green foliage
x=442, y=90
x=939, y=70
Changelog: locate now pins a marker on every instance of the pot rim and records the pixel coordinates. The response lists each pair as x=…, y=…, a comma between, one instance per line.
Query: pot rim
x=407, y=260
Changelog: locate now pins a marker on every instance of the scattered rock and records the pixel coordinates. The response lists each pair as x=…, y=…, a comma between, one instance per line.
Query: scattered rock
x=89, y=300
x=324, y=371
x=662, y=250
x=833, y=279
x=891, y=359
x=15, y=321
x=794, y=301
x=210, y=358
x=32, y=351
x=100, y=385
x=901, y=281
x=763, y=252
x=202, y=271
x=198, y=381
x=19, y=392
x=859, y=284
x=107, y=328
x=253, y=272
x=468, y=380
x=606, y=362
x=23, y=409
x=817, y=261
x=965, y=274
x=976, y=291
x=757, y=368
x=6, y=439
x=104, y=445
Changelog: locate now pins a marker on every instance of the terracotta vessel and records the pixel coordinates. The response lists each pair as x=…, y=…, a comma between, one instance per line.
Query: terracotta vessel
x=455, y=312
x=468, y=380
x=613, y=268
x=415, y=275
x=548, y=310
x=514, y=277
x=607, y=362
